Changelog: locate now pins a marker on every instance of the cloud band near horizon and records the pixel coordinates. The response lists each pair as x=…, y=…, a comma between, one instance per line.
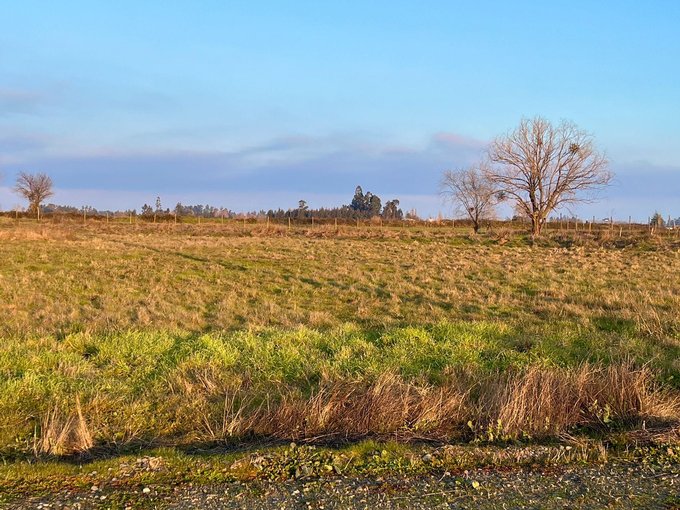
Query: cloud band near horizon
x=278, y=173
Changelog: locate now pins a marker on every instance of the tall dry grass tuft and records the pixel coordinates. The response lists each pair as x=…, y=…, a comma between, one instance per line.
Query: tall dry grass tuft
x=389, y=406
x=62, y=433
x=544, y=402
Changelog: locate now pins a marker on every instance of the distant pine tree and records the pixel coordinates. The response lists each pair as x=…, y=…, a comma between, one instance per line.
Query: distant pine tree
x=657, y=220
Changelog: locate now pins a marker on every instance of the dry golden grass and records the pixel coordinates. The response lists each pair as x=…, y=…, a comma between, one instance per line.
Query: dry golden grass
x=548, y=402
x=388, y=406
x=60, y=434
x=61, y=279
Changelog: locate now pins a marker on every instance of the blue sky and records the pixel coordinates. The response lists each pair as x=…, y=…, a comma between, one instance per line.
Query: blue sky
x=258, y=104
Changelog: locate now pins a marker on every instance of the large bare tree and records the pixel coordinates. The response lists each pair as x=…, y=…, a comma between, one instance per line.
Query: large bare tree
x=35, y=188
x=470, y=191
x=542, y=167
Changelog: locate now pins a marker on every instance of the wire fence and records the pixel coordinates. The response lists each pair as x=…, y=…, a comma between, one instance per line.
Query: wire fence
x=591, y=226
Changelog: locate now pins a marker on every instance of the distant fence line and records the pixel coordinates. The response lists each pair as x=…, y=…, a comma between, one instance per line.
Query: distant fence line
x=552, y=225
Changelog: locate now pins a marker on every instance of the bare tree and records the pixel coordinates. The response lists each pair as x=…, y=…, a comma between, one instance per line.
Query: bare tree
x=35, y=188
x=470, y=191
x=542, y=167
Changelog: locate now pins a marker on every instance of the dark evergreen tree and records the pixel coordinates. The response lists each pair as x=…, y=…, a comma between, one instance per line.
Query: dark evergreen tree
x=391, y=210
x=374, y=206
x=359, y=201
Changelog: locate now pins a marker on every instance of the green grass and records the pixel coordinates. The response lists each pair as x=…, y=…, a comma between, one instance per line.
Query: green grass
x=141, y=387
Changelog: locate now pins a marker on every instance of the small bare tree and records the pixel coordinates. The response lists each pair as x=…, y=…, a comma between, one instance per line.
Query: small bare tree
x=542, y=167
x=470, y=191
x=35, y=188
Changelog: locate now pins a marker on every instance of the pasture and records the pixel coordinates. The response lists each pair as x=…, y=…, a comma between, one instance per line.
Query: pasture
x=117, y=337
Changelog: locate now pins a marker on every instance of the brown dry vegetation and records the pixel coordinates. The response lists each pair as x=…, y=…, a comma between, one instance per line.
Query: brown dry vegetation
x=535, y=403
x=532, y=404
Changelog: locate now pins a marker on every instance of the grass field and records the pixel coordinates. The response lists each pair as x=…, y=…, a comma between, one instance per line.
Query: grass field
x=120, y=335
x=63, y=279
x=419, y=351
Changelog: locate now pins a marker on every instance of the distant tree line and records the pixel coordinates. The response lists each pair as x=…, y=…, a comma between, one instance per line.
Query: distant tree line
x=363, y=206
x=204, y=211
x=658, y=221
x=538, y=168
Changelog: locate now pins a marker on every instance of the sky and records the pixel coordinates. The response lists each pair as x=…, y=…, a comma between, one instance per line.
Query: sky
x=252, y=104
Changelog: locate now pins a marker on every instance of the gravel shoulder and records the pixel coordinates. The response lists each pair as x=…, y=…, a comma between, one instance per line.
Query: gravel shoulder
x=611, y=485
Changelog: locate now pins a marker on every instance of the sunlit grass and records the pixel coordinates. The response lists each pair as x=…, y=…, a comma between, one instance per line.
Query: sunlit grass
x=60, y=279
x=154, y=334
x=169, y=387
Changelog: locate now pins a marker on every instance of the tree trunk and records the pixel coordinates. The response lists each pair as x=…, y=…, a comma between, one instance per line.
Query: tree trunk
x=536, y=226
x=33, y=208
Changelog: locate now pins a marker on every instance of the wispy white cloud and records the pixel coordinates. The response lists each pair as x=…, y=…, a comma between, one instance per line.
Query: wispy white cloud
x=296, y=162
